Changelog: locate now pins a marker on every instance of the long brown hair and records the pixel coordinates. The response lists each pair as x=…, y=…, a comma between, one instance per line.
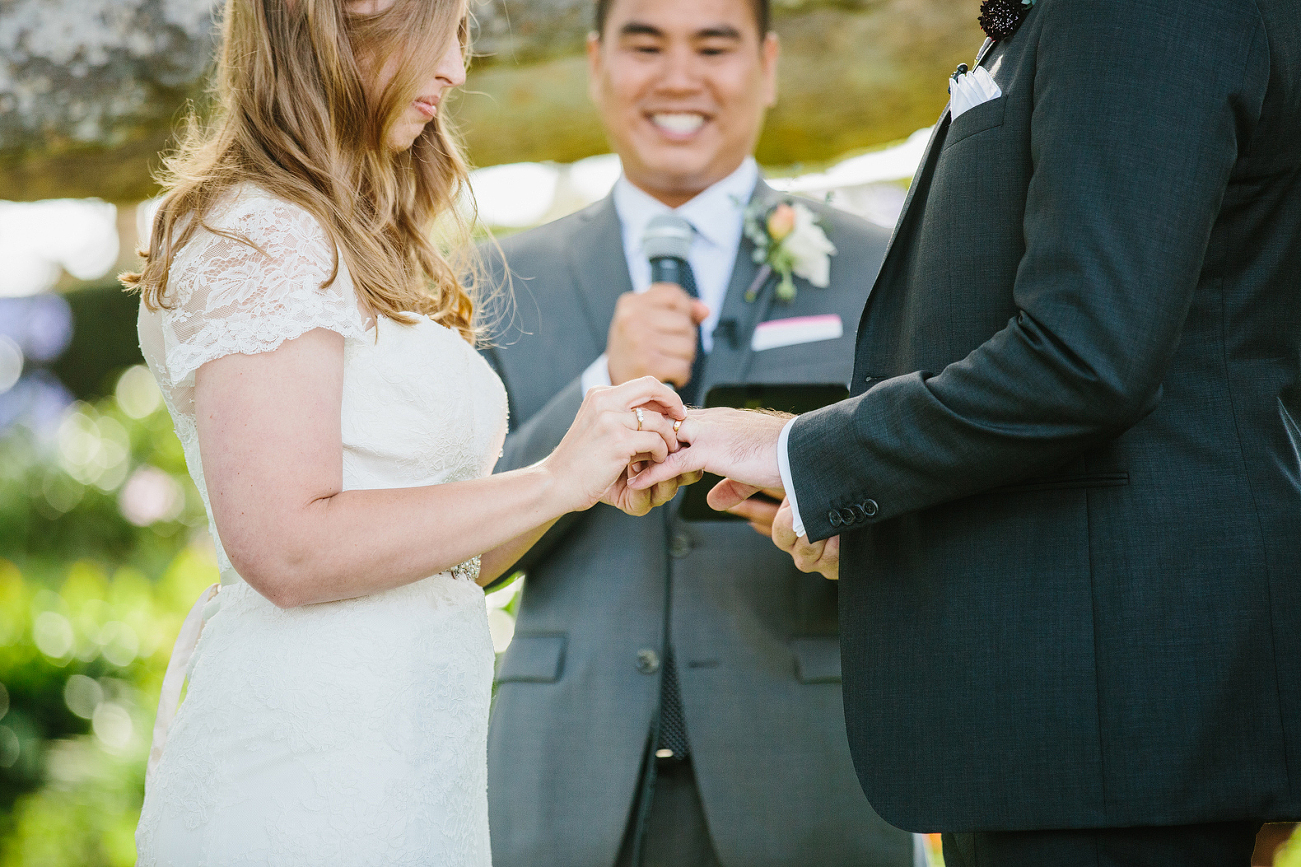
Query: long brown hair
x=293, y=115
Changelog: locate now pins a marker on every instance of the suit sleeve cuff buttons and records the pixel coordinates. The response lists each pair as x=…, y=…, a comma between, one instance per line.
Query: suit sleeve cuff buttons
x=856, y=513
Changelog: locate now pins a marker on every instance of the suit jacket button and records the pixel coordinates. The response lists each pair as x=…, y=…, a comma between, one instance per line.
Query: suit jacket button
x=870, y=508
x=834, y=518
x=847, y=515
x=648, y=661
x=679, y=545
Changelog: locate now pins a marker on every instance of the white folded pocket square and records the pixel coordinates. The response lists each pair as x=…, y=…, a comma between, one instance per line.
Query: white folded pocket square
x=798, y=329
x=970, y=89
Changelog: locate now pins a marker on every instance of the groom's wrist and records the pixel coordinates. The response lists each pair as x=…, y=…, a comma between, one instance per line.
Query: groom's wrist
x=788, y=481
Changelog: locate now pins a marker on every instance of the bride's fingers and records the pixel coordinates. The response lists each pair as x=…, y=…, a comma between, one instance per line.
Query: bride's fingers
x=639, y=463
x=650, y=444
x=650, y=420
x=647, y=389
x=662, y=409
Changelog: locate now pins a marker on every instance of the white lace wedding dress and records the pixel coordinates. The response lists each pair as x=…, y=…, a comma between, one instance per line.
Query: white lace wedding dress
x=346, y=733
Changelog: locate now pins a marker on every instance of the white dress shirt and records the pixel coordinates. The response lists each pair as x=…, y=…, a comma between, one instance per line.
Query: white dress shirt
x=717, y=215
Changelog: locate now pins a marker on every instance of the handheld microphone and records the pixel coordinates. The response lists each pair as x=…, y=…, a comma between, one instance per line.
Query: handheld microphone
x=667, y=244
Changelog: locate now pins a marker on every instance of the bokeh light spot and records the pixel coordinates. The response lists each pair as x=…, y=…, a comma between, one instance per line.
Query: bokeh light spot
x=53, y=634
x=82, y=695
x=112, y=725
x=137, y=393
x=120, y=643
x=11, y=363
x=62, y=492
x=502, y=627
x=149, y=496
x=9, y=747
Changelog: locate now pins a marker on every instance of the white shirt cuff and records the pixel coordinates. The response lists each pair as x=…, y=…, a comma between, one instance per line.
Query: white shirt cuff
x=784, y=466
x=597, y=373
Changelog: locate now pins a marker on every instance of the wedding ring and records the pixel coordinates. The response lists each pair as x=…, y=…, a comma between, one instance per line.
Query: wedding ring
x=677, y=425
x=641, y=417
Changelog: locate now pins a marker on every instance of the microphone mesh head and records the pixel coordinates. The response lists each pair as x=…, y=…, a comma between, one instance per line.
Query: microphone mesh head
x=667, y=236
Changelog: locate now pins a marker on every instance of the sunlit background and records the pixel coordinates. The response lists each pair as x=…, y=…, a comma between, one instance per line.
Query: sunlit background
x=103, y=539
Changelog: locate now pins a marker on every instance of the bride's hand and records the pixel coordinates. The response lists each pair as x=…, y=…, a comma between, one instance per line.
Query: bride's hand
x=605, y=438
x=638, y=503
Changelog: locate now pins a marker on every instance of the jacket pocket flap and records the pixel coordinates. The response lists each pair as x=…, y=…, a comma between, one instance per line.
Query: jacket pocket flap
x=1079, y=480
x=817, y=660
x=533, y=659
x=979, y=118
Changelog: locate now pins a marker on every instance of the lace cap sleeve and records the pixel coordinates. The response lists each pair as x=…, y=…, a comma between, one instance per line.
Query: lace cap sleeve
x=230, y=297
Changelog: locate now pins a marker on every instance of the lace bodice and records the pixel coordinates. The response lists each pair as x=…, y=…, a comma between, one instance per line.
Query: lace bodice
x=350, y=732
x=420, y=406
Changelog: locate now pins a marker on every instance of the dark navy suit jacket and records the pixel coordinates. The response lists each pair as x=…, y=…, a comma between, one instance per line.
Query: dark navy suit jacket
x=1069, y=484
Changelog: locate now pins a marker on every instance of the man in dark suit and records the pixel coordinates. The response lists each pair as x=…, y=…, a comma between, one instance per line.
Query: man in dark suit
x=1067, y=484
x=671, y=694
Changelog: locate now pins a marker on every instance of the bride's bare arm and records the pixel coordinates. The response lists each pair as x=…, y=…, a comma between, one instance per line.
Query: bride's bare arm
x=270, y=437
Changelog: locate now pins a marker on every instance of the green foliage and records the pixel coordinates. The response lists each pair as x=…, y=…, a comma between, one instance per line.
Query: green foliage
x=103, y=548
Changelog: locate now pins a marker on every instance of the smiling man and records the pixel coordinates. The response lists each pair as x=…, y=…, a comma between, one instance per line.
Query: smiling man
x=671, y=695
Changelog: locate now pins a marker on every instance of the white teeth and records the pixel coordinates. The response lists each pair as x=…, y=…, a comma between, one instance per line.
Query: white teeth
x=678, y=123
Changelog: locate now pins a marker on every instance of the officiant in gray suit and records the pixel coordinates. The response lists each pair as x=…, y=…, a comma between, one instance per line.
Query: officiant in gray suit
x=671, y=695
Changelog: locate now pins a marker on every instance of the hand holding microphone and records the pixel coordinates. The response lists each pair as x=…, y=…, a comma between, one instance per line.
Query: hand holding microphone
x=655, y=333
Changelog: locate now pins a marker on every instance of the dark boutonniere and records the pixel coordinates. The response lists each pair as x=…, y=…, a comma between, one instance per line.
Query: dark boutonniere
x=1001, y=18
x=788, y=239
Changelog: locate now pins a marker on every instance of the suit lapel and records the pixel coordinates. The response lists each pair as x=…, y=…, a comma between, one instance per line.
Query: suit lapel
x=736, y=323
x=923, y=174
x=599, y=268
x=929, y=157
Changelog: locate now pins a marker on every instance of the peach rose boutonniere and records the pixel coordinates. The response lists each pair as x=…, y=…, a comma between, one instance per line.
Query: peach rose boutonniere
x=789, y=241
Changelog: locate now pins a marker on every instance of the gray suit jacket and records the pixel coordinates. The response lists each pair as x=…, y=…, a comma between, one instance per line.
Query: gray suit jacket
x=1069, y=486
x=755, y=639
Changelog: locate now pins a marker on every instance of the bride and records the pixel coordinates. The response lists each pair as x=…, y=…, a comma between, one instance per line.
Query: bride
x=316, y=354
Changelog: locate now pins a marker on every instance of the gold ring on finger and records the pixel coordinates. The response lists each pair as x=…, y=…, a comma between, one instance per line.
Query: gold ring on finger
x=641, y=417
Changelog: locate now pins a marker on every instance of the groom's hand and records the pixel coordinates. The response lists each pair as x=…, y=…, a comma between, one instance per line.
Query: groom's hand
x=738, y=444
x=654, y=334
x=756, y=505
x=777, y=522
x=822, y=557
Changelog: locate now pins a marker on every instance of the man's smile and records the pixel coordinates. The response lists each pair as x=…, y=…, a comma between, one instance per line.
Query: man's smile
x=680, y=125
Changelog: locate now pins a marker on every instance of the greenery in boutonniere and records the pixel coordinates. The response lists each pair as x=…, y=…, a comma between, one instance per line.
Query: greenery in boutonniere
x=1001, y=18
x=789, y=240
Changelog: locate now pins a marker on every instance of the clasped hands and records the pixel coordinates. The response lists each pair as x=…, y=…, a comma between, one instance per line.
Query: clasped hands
x=633, y=445
x=652, y=340
x=741, y=446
